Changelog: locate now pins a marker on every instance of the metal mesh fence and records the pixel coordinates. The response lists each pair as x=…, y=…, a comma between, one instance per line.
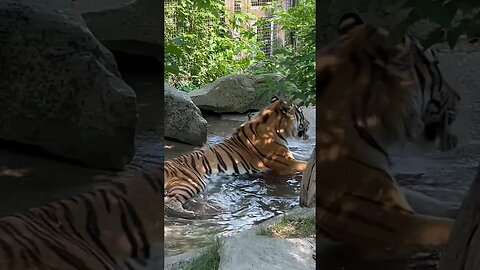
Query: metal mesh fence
x=268, y=32
x=171, y=29
x=257, y=3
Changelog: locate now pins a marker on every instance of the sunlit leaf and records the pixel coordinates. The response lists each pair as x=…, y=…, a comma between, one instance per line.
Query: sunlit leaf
x=173, y=69
x=173, y=49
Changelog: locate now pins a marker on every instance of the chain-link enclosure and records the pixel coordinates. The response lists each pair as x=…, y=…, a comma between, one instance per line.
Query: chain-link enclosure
x=269, y=33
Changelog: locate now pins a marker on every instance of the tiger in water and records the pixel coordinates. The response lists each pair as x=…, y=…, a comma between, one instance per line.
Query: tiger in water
x=259, y=145
x=370, y=96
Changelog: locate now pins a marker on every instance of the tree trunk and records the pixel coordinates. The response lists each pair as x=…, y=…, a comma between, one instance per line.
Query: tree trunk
x=308, y=184
x=463, y=249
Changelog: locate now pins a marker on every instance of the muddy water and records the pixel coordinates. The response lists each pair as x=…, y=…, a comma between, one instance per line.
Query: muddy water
x=245, y=201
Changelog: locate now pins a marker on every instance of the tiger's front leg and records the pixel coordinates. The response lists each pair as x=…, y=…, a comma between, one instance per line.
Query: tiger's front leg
x=291, y=166
x=174, y=207
x=300, y=165
x=296, y=163
x=178, y=191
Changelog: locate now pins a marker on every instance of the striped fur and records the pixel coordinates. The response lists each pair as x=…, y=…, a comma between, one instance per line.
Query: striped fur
x=368, y=99
x=308, y=185
x=119, y=226
x=434, y=99
x=258, y=145
x=438, y=101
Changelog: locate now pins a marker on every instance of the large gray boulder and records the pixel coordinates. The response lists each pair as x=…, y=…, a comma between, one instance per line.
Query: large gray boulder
x=132, y=26
x=463, y=249
x=183, y=120
x=249, y=251
x=239, y=93
x=60, y=88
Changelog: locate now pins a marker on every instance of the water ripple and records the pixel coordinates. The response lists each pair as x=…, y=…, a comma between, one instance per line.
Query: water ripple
x=239, y=203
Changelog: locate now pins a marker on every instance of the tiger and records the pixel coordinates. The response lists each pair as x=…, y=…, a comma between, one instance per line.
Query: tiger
x=257, y=146
x=117, y=226
x=370, y=96
x=434, y=97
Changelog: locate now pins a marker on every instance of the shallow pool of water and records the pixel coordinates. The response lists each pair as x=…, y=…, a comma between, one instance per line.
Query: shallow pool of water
x=244, y=200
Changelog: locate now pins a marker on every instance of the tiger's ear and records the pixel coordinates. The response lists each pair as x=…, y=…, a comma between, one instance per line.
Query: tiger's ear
x=349, y=21
x=250, y=115
x=273, y=99
x=284, y=108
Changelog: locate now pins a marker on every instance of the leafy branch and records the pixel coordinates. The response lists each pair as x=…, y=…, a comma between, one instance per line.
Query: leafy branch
x=451, y=20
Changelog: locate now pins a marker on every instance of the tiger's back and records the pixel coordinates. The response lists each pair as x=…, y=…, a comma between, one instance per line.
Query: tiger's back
x=116, y=227
x=257, y=146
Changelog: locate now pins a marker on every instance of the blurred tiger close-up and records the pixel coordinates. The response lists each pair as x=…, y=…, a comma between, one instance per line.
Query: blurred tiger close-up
x=118, y=226
x=370, y=96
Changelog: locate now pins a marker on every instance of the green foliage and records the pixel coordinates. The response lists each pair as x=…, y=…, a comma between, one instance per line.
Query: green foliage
x=209, y=260
x=199, y=46
x=295, y=62
x=452, y=19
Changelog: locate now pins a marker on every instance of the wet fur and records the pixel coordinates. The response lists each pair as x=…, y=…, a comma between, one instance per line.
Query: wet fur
x=259, y=145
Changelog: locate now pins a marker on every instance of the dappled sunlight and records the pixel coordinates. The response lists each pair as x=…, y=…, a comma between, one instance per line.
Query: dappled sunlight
x=335, y=152
x=15, y=173
x=369, y=122
x=327, y=61
x=365, y=103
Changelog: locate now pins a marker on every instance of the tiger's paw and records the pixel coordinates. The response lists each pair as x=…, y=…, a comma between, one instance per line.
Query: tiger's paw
x=175, y=208
x=301, y=165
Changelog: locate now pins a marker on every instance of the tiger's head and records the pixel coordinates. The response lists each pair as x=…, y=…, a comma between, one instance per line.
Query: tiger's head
x=364, y=85
x=439, y=104
x=287, y=121
x=394, y=87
